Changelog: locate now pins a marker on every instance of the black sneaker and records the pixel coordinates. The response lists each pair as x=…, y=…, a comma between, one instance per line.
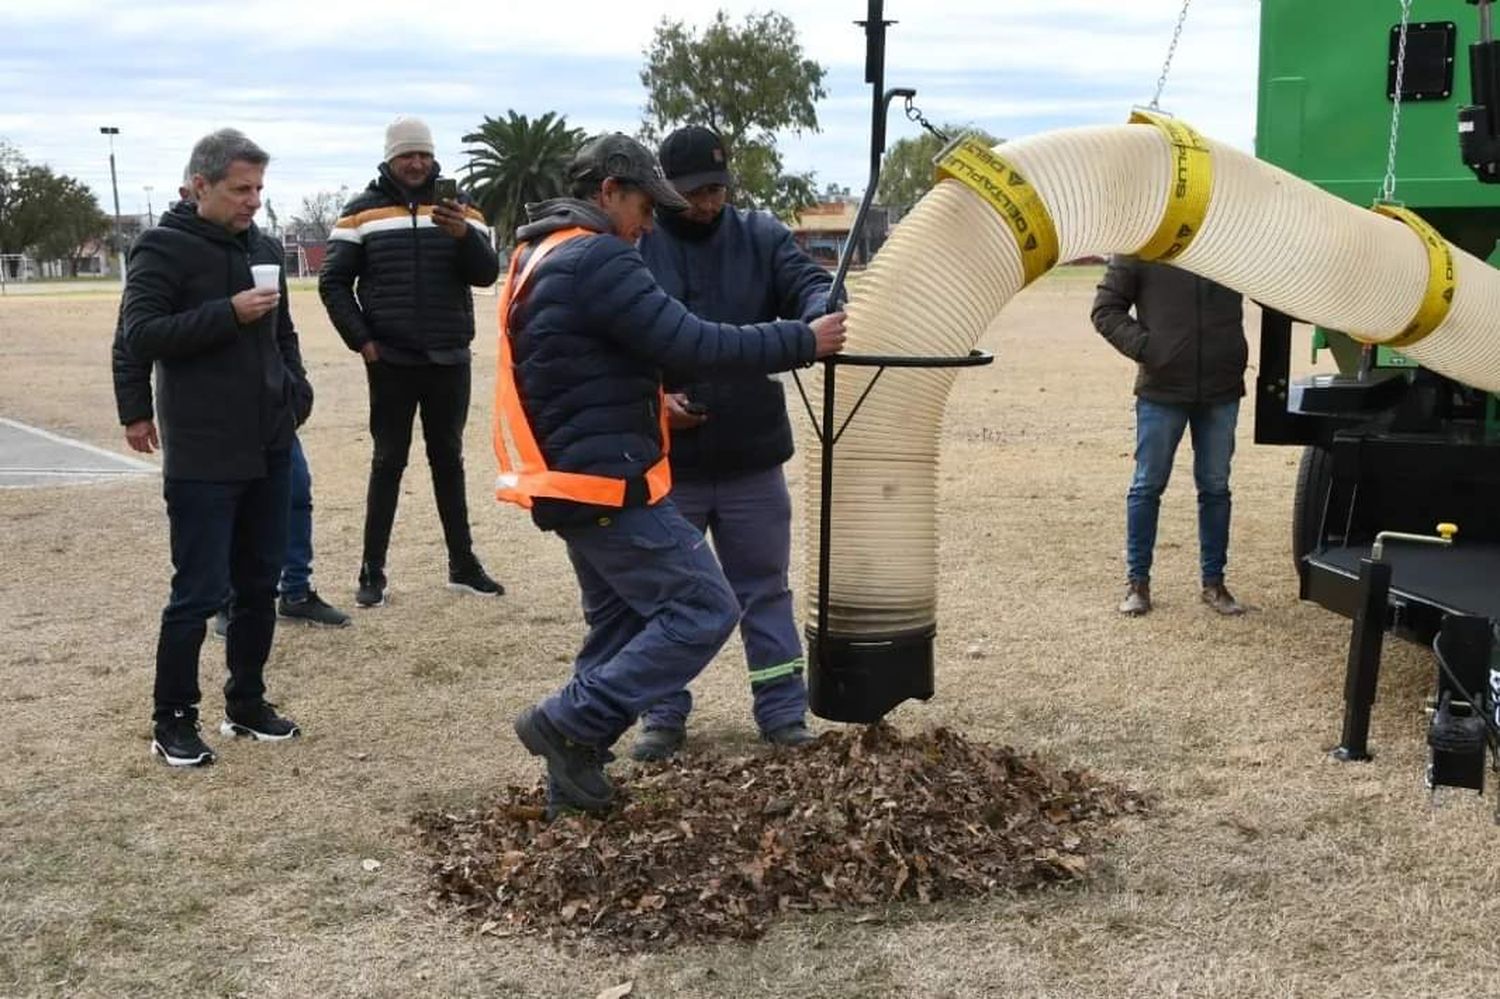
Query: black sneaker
x=473, y=579
x=259, y=721
x=313, y=609
x=793, y=735
x=657, y=743
x=175, y=739
x=575, y=771
x=371, y=592
x=220, y=627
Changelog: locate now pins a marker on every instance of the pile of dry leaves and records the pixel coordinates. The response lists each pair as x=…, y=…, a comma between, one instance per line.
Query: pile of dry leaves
x=708, y=848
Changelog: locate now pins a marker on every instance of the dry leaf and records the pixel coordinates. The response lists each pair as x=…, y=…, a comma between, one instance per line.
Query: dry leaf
x=618, y=991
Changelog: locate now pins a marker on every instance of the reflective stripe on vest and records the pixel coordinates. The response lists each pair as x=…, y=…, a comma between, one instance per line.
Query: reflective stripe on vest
x=528, y=477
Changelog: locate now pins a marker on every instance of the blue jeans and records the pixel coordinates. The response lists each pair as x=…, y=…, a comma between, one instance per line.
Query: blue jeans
x=658, y=610
x=749, y=518
x=1158, y=431
x=226, y=536
x=296, y=573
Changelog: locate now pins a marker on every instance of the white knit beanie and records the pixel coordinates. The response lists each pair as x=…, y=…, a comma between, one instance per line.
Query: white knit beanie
x=407, y=134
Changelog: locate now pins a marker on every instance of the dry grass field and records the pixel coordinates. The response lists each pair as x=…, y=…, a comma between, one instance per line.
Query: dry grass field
x=1267, y=871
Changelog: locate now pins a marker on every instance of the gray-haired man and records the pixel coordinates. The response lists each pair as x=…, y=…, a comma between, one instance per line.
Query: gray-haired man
x=230, y=391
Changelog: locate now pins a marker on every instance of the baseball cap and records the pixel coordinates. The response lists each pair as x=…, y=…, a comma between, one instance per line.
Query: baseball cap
x=614, y=154
x=693, y=157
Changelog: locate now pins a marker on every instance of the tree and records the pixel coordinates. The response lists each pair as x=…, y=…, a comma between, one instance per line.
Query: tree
x=906, y=173
x=52, y=216
x=516, y=160
x=745, y=83
x=74, y=220
x=319, y=213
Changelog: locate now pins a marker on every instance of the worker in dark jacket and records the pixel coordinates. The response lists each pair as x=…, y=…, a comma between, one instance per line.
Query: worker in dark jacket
x=1187, y=338
x=230, y=392
x=585, y=335
x=732, y=435
x=297, y=600
x=396, y=285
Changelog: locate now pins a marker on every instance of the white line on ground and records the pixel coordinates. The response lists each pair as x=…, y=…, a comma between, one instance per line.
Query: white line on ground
x=123, y=459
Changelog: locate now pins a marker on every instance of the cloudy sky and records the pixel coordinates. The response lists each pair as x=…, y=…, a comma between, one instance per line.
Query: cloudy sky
x=315, y=81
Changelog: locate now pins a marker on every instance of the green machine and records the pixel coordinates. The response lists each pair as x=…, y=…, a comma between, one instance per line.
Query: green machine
x=1393, y=100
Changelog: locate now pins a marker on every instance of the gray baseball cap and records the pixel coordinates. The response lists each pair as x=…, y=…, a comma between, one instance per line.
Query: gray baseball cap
x=617, y=155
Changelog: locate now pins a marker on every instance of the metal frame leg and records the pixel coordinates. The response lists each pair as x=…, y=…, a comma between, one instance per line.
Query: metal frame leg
x=1365, y=644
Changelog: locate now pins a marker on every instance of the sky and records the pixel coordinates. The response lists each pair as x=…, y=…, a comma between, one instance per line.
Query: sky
x=315, y=81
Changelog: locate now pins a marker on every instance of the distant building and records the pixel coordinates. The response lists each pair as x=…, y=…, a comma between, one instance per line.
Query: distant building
x=823, y=229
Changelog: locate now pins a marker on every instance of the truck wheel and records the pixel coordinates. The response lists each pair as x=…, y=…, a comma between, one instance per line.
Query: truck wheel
x=1314, y=477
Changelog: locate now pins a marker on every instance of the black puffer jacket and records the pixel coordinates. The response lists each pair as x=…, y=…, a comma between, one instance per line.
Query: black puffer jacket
x=592, y=332
x=741, y=268
x=394, y=277
x=1187, y=334
x=225, y=393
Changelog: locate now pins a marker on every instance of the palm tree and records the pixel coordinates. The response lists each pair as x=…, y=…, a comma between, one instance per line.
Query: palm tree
x=517, y=160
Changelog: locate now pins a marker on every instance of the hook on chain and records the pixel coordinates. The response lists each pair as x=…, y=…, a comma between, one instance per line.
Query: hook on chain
x=913, y=113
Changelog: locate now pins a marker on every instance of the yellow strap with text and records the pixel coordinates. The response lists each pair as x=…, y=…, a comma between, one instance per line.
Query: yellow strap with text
x=978, y=167
x=1442, y=279
x=1192, y=186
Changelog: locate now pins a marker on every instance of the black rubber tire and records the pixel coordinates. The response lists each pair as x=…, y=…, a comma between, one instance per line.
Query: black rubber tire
x=1314, y=477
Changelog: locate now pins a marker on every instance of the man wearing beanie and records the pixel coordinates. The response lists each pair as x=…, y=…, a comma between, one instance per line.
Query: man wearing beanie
x=731, y=434
x=396, y=285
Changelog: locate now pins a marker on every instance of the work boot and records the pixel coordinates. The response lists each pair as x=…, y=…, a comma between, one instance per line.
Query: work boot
x=657, y=743
x=220, y=628
x=1137, y=598
x=371, y=592
x=575, y=770
x=793, y=735
x=1217, y=596
x=312, y=609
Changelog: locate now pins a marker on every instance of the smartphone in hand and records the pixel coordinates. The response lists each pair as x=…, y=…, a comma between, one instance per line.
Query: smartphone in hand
x=446, y=189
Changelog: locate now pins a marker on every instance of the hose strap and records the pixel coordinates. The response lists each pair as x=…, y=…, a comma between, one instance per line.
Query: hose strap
x=1192, y=185
x=1442, y=280
x=979, y=168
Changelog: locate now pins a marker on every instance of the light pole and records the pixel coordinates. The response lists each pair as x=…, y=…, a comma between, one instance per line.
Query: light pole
x=150, y=215
x=112, y=131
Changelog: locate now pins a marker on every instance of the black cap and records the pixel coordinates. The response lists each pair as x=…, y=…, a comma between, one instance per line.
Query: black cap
x=616, y=155
x=694, y=157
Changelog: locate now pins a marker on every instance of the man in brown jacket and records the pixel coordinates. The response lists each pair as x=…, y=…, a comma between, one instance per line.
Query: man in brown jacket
x=1187, y=338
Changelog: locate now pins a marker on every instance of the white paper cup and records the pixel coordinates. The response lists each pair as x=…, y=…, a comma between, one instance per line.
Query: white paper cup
x=267, y=276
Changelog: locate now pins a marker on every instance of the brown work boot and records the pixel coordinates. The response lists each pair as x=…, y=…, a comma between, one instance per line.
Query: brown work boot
x=1137, y=598
x=1217, y=596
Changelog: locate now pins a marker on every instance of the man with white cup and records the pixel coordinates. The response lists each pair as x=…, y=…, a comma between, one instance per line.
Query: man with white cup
x=231, y=391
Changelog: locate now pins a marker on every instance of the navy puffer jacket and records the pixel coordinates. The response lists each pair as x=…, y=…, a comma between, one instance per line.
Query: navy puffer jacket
x=743, y=267
x=592, y=332
x=394, y=277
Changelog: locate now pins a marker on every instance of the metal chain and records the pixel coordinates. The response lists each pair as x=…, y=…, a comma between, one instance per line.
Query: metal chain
x=1166, y=67
x=1388, y=189
x=913, y=114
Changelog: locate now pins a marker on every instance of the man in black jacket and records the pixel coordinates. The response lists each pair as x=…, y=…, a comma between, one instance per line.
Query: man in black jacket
x=396, y=285
x=585, y=335
x=297, y=600
x=732, y=433
x=231, y=392
x=1188, y=339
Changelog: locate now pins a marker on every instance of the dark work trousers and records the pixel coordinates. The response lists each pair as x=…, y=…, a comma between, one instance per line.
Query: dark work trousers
x=440, y=392
x=657, y=608
x=749, y=517
x=226, y=536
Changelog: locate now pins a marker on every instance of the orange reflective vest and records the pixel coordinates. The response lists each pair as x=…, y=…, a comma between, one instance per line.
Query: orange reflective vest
x=522, y=480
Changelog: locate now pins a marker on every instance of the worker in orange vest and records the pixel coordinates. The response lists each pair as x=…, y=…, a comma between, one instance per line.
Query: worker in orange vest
x=585, y=333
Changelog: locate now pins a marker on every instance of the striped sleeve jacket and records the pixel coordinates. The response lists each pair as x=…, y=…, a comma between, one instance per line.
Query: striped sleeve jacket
x=392, y=276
